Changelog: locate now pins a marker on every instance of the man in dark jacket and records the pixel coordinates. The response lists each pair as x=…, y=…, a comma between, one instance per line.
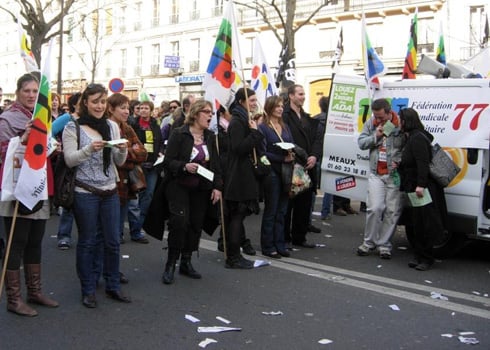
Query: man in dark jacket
x=308, y=135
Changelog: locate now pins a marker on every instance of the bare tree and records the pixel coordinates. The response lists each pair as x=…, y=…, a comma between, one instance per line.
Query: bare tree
x=94, y=38
x=276, y=20
x=37, y=26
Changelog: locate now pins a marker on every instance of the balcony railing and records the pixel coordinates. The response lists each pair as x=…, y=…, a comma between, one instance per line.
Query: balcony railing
x=155, y=69
x=194, y=66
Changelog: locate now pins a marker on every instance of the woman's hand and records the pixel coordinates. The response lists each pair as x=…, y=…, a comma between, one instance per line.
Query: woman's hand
x=215, y=196
x=122, y=146
x=419, y=191
x=191, y=168
x=289, y=158
x=98, y=145
x=26, y=134
x=252, y=124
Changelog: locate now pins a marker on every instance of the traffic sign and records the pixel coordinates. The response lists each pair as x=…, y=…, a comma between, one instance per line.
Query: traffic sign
x=116, y=85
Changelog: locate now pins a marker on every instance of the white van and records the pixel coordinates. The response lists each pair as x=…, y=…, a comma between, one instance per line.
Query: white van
x=455, y=111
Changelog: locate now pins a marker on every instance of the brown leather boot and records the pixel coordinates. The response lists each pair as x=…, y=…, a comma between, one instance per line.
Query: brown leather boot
x=33, y=283
x=15, y=303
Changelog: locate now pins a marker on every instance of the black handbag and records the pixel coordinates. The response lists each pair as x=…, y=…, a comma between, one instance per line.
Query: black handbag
x=64, y=179
x=261, y=166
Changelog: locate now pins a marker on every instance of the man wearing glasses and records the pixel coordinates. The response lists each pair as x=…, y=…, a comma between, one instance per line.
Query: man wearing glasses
x=381, y=135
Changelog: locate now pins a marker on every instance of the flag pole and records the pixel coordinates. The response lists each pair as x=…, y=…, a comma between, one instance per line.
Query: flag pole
x=221, y=207
x=7, y=249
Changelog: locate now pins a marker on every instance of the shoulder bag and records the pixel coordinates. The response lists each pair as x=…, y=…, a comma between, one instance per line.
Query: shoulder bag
x=294, y=177
x=442, y=167
x=64, y=178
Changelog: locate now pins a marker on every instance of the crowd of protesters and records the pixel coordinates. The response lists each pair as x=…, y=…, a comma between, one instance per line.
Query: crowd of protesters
x=184, y=171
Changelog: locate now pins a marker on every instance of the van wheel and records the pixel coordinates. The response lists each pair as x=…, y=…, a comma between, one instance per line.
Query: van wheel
x=449, y=244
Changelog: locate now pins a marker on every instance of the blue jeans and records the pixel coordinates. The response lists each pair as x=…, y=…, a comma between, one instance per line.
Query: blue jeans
x=65, y=225
x=326, y=204
x=145, y=197
x=275, y=208
x=98, y=222
x=132, y=210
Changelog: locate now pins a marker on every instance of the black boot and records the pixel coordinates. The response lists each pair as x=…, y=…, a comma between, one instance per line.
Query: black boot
x=168, y=273
x=186, y=267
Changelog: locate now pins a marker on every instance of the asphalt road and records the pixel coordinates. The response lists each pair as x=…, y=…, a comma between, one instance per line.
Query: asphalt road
x=326, y=293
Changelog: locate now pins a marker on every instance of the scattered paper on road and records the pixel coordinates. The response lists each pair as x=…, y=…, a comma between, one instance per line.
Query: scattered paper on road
x=192, y=318
x=260, y=263
x=465, y=340
x=328, y=236
x=325, y=341
x=320, y=245
x=394, y=307
x=206, y=342
x=435, y=295
x=222, y=319
x=427, y=281
x=217, y=329
x=476, y=293
x=272, y=313
x=402, y=248
x=125, y=256
x=447, y=335
x=379, y=266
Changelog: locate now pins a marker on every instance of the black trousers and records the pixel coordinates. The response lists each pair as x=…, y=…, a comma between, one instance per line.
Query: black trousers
x=297, y=217
x=187, y=209
x=26, y=243
x=236, y=212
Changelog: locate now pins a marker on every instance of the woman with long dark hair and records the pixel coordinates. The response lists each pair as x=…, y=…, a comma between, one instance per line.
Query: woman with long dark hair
x=428, y=220
x=275, y=197
x=241, y=190
x=96, y=205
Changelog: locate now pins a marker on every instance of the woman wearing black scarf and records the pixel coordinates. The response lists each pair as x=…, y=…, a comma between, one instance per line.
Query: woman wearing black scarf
x=96, y=205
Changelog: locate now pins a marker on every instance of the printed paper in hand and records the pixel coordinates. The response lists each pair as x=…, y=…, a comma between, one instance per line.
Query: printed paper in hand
x=285, y=145
x=207, y=174
x=115, y=142
x=419, y=202
x=388, y=128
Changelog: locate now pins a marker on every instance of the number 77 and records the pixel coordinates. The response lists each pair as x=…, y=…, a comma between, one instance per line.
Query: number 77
x=464, y=107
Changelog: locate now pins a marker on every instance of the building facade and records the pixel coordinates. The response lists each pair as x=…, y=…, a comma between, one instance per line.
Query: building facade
x=163, y=46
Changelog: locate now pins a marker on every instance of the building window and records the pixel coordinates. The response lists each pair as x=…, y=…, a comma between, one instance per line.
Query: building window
x=175, y=48
x=330, y=37
x=139, y=61
x=122, y=19
x=108, y=22
x=108, y=59
x=137, y=16
x=155, y=64
x=218, y=8
x=156, y=13
x=195, y=11
x=478, y=18
x=69, y=37
x=124, y=63
x=174, y=16
x=425, y=35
